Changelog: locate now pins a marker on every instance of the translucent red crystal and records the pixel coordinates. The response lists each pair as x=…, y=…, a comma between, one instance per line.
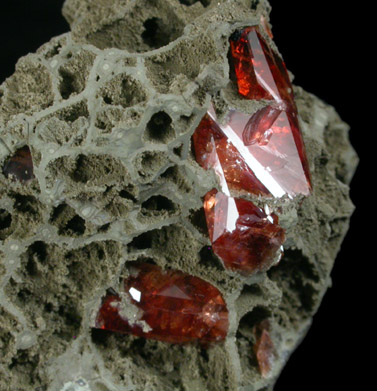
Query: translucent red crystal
x=242, y=235
x=213, y=149
x=264, y=348
x=174, y=307
x=272, y=135
x=260, y=72
x=257, y=154
x=20, y=165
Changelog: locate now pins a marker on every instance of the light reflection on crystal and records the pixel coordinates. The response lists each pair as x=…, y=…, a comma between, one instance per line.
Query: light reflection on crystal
x=135, y=294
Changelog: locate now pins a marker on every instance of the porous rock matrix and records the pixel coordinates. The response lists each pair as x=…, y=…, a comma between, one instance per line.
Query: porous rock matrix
x=99, y=171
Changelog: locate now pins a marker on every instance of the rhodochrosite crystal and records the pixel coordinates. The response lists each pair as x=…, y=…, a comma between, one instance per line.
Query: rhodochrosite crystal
x=213, y=149
x=260, y=72
x=255, y=154
x=242, y=235
x=174, y=307
x=20, y=165
x=264, y=348
x=272, y=135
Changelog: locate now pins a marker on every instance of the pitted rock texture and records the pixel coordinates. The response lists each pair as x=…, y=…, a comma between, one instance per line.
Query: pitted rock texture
x=108, y=111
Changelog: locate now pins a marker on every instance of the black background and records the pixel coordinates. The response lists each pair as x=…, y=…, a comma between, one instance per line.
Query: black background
x=324, y=46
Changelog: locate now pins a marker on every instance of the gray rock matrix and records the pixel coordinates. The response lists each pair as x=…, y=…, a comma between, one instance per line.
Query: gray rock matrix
x=108, y=111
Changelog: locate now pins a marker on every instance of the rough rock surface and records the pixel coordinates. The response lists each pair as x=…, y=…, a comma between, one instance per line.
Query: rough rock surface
x=108, y=111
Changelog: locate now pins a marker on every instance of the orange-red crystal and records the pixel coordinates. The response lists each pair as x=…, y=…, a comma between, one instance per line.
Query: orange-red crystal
x=272, y=135
x=260, y=72
x=242, y=235
x=174, y=307
x=264, y=348
x=214, y=149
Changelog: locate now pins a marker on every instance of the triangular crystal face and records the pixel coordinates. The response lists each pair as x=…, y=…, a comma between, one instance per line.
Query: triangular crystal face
x=267, y=144
x=214, y=149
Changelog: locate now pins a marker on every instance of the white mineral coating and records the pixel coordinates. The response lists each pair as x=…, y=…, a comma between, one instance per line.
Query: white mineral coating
x=25, y=340
x=108, y=111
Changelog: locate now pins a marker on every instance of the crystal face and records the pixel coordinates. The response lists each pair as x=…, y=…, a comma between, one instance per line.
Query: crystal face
x=20, y=165
x=242, y=235
x=174, y=307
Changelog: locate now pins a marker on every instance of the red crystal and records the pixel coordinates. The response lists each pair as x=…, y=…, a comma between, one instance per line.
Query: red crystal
x=20, y=165
x=264, y=348
x=242, y=235
x=257, y=154
x=213, y=149
x=260, y=72
x=274, y=130
x=174, y=307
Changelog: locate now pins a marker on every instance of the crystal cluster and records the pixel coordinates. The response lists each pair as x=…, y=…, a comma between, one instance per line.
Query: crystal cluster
x=262, y=155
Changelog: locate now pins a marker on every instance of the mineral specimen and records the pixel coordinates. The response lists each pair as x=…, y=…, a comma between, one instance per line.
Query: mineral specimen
x=113, y=177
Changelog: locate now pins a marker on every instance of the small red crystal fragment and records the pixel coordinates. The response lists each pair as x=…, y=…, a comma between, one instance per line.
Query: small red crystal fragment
x=260, y=72
x=242, y=235
x=20, y=165
x=174, y=307
x=264, y=348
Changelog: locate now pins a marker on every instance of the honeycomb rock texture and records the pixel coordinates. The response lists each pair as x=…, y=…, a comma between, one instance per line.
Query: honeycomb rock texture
x=108, y=111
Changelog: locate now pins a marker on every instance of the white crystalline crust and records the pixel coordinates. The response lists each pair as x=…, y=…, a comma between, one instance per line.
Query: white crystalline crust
x=108, y=111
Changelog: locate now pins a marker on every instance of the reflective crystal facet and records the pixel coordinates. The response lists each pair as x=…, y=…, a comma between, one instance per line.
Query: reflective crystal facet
x=242, y=235
x=20, y=165
x=267, y=142
x=174, y=307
